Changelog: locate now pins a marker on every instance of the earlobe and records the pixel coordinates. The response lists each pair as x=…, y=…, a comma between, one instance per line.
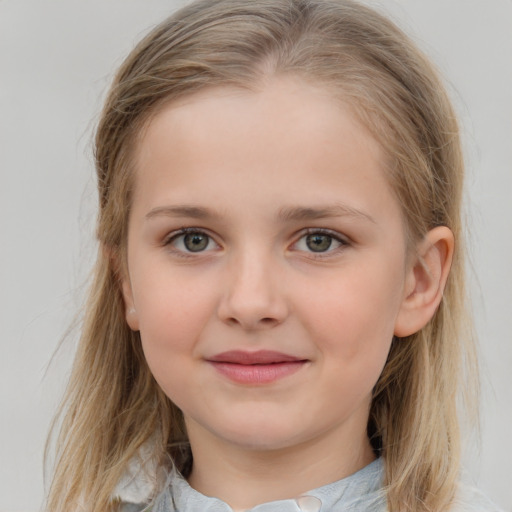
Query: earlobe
x=131, y=316
x=425, y=281
x=126, y=289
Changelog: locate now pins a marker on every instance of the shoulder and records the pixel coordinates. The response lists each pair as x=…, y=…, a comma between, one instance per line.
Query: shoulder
x=471, y=499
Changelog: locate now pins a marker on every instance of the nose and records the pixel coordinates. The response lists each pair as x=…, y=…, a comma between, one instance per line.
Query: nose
x=254, y=297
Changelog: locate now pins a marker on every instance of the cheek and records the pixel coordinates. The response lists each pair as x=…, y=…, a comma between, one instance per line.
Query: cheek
x=354, y=315
x=172, y=313
x=170, y=327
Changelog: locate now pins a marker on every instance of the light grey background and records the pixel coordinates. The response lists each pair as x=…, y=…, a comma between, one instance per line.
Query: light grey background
x=56, y=60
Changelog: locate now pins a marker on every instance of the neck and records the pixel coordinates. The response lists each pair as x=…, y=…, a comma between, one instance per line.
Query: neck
x=244, y=477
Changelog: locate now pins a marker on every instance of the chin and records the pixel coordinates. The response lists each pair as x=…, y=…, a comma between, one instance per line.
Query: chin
x=262, y=436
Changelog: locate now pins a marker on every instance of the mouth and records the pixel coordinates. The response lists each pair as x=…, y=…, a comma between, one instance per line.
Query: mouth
x=261, y=367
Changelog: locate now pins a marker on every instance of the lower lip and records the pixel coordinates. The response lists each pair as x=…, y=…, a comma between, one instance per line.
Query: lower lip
x=257, y=373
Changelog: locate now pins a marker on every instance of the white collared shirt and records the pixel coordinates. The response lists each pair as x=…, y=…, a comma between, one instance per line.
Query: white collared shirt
x=360, y=492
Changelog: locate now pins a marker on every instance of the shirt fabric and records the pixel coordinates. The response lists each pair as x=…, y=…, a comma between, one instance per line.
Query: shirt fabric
x=361, y=492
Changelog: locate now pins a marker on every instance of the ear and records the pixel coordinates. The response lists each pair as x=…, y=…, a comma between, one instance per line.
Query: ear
x=130, y=312
x=121, y=271
x=425, y=281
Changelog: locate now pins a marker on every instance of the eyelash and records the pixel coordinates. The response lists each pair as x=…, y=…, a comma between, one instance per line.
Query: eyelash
x=183, y=232
x=334, y=236
x=342, y=242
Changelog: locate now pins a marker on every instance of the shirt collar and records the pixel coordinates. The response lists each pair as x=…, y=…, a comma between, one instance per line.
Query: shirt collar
x=362, y=488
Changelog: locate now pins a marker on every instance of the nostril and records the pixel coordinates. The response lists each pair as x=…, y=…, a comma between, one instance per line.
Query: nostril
x=232, y=321
x=252, y=308
x=262, y=322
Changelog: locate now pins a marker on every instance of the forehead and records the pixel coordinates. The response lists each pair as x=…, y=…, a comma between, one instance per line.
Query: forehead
x=289, y=136
x=304, y=109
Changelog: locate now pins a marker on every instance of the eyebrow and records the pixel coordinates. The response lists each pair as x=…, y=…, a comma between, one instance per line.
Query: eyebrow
x=194, y=212
x=311, y=213
x=291, y=213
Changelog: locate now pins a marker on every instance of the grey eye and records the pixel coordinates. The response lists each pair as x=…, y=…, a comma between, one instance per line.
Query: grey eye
x=196, y=242
x=318, y=242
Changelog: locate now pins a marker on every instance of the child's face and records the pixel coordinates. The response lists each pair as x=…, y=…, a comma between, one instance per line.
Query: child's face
x=266, y=264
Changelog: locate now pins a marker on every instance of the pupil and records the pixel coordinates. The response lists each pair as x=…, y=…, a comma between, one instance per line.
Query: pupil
x=195, y=242
x=318, y=243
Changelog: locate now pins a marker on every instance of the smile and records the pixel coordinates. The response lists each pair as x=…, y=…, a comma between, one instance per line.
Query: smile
x=262, y=367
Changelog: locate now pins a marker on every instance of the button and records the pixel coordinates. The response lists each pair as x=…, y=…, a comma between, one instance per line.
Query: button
x=309, y=504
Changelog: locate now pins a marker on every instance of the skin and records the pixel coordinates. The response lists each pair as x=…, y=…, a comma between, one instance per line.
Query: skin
x=254, y=173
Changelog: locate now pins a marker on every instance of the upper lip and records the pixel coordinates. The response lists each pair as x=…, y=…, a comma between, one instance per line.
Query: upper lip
x=258, y=357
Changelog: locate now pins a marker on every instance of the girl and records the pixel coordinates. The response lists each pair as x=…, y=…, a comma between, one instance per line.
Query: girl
x=277, y=320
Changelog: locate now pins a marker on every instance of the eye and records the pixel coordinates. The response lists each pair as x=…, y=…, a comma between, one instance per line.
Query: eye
x=319, y=242
x=191, y=241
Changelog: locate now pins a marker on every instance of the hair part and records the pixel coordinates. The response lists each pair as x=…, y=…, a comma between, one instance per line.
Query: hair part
x=113, y=404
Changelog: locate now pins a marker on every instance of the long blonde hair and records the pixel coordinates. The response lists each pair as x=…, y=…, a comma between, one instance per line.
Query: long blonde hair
x=113, y=405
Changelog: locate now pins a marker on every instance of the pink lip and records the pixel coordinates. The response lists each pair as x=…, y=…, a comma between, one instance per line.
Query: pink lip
x=261, y=367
